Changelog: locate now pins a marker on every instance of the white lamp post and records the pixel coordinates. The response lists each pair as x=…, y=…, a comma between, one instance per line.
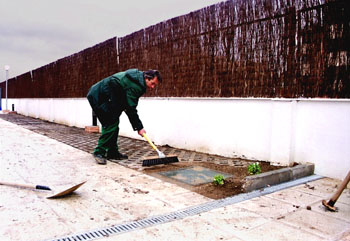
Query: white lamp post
x=7, y=67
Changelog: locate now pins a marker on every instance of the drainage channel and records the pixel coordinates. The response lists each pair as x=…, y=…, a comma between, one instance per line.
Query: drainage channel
x=181, y=214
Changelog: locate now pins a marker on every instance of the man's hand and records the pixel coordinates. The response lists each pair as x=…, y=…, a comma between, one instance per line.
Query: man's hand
x=141, y=132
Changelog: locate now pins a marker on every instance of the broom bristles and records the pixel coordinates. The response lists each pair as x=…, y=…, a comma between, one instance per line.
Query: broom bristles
x=159, y=160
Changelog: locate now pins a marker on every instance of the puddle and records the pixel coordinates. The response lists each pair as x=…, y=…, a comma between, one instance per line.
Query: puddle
x=195, y=175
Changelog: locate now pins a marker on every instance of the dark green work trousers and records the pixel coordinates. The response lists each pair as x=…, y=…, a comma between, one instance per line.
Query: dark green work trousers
x=108, y=141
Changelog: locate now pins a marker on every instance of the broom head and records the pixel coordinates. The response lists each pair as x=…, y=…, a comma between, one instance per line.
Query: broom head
x=156, y=160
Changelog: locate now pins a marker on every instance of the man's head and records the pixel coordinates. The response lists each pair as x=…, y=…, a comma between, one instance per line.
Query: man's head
x=152, y=78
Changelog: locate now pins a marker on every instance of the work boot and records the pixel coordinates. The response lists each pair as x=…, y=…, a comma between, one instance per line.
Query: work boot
x=116, y=156
x=100, y=159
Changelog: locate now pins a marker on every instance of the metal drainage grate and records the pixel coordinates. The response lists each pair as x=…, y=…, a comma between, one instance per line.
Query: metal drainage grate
x=178, y=215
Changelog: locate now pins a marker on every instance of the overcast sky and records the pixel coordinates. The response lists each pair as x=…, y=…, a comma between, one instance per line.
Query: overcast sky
x=34, y=33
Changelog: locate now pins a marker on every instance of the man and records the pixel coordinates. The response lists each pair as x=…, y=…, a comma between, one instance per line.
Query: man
x=109, y=98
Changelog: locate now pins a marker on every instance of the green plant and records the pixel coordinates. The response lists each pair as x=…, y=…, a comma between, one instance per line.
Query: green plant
x=254, y=168
x=219, y=180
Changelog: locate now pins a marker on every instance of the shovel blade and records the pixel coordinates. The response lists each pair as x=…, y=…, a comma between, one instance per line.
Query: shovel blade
x=65, y=192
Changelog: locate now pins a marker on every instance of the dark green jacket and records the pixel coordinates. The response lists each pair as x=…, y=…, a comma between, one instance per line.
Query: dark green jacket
x=117, y=93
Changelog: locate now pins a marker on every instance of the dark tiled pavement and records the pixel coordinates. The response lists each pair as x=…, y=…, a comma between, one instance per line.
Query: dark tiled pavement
x=135, y=149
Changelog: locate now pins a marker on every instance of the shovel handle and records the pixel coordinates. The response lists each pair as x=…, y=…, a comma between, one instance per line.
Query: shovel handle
x=150, y=142
x=31, y=186
x=343, y=185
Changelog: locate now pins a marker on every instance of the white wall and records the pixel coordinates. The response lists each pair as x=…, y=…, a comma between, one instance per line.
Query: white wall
x=322, y=136
x=68, y=111
x=281, y=131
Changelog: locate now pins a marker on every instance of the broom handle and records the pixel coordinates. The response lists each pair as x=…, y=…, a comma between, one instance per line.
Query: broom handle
x=150, y=142
x=31, y=186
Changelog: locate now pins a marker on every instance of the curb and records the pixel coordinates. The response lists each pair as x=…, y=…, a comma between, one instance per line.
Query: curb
x=267, y=179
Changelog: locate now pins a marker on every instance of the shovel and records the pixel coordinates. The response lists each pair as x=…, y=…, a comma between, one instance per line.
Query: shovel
x=56, y=194
x=330, y=204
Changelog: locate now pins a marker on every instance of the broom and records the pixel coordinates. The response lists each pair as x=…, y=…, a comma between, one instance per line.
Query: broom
x=160, y=159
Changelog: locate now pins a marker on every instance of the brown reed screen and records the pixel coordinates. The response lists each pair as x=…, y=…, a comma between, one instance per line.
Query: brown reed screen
x=239, y=48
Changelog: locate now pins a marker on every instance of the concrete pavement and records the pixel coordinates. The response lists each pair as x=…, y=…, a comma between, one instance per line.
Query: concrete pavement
x=115, y=195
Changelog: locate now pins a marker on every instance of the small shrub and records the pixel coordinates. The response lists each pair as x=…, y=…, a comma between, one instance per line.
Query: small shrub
x=219, y=180
x=254, y=168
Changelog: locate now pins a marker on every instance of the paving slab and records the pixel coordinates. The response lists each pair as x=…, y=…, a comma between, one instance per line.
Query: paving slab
x=268, y=207
x=278, y=231
x=316, y=223
x=234, y=219
x=343, y=212
x=296, y=198
x=112, y=194
x=197, y=228
x=115, y=194
x=325, y=189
